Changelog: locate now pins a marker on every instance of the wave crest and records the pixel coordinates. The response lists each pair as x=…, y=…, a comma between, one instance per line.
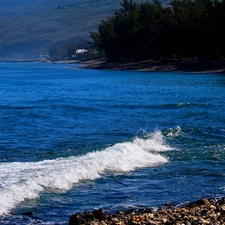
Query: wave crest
x=20, y=181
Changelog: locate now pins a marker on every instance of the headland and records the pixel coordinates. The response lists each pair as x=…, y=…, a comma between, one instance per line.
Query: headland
x=184, y=65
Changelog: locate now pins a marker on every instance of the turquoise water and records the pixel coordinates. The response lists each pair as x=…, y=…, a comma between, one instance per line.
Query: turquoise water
x=76, y=139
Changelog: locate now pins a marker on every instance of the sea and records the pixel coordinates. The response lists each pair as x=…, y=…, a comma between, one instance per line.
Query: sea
x=75, y=139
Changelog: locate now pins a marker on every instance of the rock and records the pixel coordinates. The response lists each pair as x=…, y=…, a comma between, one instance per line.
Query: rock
x=192, y=205
x=203, y=201
x=223, y=200
x=213, y=200
x=28, y=214
x=120, y=212
x=203, y=212
x=187, y=223
x=75, y=219
x=81, y=218
x=131, y=211
x=100, y=214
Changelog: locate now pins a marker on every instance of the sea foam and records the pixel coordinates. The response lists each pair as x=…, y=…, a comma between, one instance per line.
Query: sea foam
x=20, y=181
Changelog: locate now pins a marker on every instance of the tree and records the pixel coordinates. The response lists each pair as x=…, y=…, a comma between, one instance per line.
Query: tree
x=187, y=29
x=105, y=39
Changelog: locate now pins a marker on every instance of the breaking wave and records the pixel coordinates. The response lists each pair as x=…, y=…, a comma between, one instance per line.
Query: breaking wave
x=20, y=181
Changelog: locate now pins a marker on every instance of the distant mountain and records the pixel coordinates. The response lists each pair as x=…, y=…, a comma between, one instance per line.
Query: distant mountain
x=18, y=7
x=29, y=27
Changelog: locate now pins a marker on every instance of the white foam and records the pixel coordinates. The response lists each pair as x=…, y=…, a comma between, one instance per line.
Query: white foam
x=184, y=104
x=20, y=181
x=174, y=132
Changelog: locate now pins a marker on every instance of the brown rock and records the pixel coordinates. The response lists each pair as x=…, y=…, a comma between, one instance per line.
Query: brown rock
x=75, y=219
x=203, y=201
x=100, y=214
x=203, y=212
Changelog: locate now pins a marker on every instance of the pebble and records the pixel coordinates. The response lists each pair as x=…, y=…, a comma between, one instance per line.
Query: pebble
x=203, y=211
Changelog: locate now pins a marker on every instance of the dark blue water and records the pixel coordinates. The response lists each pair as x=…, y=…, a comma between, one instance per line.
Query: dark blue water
x=76, y=139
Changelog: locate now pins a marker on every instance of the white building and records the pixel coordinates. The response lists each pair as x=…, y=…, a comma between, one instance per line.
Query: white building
x=81, y=51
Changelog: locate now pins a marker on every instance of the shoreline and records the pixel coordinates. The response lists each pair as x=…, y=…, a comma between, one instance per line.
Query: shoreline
x=171, y=65
x=184, y=65
x=204, y=211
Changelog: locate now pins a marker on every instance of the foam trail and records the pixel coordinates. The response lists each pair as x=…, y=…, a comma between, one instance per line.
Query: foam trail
x=20, y=181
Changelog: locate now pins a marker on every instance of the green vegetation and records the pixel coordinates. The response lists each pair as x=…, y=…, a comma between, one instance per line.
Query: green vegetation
x=185, y=29
x=67, y=50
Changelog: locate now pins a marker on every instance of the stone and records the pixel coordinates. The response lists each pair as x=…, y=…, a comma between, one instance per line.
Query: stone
x=75, y=219
x=100, y=214
x=192, y=205
x=203, y=201
x=202, y=212
x=28, y=214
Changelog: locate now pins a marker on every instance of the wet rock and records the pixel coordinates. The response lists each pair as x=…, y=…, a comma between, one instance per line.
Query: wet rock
x=192, y=205
x=131, y=211
x=203, y=211
x=75, y=219
x=187, y=223
x=28, y=214
x=121, y=212
x=81, y=218
x=203, y=201
x=213, y=200
x=100, y=214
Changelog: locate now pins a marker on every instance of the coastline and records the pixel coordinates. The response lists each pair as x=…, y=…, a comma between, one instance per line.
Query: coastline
x=171, y=65
x=184, y=65
x=203, y=211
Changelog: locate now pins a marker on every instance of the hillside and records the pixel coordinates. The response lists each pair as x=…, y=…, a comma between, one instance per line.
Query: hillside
x=29, y=27
x=15, y=7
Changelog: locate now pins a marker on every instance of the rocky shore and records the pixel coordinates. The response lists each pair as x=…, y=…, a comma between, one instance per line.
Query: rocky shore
x=184, y=65
x=204, y=211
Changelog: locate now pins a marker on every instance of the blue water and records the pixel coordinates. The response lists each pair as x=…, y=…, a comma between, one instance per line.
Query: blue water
x=77, y=139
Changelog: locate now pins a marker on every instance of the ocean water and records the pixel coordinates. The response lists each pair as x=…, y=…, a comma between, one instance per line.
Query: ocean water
x=76, y=139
